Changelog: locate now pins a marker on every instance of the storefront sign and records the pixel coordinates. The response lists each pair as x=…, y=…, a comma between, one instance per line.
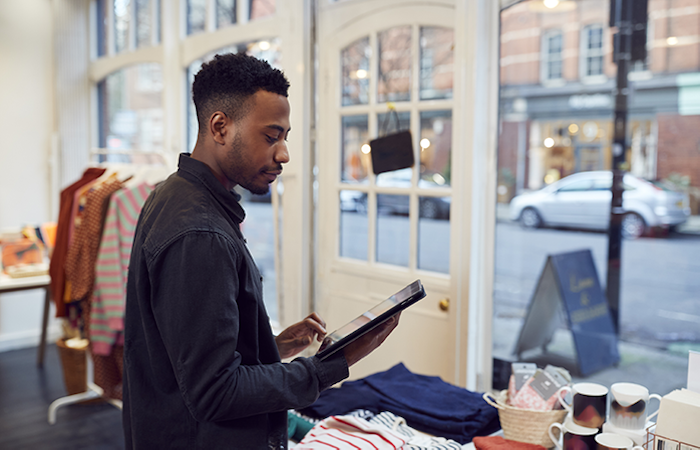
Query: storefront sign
x=569, y=283
x=590, y=101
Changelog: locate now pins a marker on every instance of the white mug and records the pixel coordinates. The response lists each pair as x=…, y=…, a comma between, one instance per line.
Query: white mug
x=629, y=403
x=572, y=435
x=612, y=441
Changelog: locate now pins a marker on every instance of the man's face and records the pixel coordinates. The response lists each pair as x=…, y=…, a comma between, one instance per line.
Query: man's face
x=258, y=146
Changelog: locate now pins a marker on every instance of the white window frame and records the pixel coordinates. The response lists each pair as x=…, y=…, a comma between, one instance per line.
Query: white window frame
x=546, y=58
x=585, y=53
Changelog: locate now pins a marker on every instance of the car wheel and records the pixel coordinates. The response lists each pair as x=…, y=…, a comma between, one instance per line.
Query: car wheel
x=530, y=218
x=633, y=225
x=429, y=209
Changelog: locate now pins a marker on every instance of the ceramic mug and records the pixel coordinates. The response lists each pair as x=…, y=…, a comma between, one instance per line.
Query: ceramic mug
x=589, y=403
x=573, y=437
x=629, y=404
x=612, y=441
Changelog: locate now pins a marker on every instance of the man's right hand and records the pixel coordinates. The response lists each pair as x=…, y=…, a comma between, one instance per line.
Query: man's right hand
x=370, y=341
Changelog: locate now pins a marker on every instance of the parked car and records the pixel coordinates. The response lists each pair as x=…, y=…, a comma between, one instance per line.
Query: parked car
x=582, y=200
x=429, y=207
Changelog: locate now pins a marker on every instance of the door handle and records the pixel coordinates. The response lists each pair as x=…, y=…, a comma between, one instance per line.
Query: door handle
x=444, y=304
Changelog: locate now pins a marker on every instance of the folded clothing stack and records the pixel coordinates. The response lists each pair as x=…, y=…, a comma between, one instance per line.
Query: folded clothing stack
x=427, y=403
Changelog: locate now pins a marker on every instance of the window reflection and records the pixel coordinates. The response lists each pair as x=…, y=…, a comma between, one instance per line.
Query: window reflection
x=122, y=20
x=355, y=73
x=592, y=58
x=225, y=13
x=436, y=62
x=393, y=231
x=101, y=22
x=435, y=148
x=434, y=234
x=355, y=149
x=143, y=23
x=394, y=80
x=262, y=8
x=258, y=229
x=550, y=135
x=354, y=224
x=196, y=16
x=131, y=110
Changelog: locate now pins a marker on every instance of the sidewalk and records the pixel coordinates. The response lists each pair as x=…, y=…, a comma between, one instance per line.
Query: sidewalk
x=661, y=371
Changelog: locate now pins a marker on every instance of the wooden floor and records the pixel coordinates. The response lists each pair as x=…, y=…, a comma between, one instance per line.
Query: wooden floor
x=26, y=392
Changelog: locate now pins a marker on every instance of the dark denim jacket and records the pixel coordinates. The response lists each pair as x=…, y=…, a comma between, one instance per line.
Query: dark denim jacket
x=201, y=367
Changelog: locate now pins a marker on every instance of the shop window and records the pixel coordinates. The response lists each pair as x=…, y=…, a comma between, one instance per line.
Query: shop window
x=401, y=217
x=355, y=72
x=552, y=62
x=130, y=109
x=394, y=80
x=144, y=21
x=196, y=16
x=355, y=150
x=435, y=148
x=101, y=27
x=262, y=8
x=436, y=62
x=434, y=234
x=354, y=228
x=122, y=24
x=559, y=134
x=225, y=13
x=393, y=234
x=135, y=24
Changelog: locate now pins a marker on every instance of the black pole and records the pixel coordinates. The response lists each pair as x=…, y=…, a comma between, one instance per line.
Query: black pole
x=623, y=55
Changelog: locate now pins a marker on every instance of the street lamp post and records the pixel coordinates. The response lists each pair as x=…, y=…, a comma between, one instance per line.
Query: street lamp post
x=630, y=18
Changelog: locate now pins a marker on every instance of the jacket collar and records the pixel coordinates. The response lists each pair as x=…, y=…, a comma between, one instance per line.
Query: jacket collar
x=228, y=199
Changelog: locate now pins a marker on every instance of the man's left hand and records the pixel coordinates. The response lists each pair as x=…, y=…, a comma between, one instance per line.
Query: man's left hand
x=300, y=335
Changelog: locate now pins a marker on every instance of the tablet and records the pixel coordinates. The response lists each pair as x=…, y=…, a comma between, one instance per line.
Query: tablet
x=338, y=339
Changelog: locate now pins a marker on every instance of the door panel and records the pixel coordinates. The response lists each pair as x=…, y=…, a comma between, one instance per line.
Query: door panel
x=380, y=233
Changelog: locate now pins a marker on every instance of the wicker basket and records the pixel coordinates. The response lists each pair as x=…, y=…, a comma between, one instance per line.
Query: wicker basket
x=525, y=425
x=74, y=365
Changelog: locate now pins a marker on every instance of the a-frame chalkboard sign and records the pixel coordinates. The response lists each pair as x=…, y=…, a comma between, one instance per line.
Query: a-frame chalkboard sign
x=570, y=281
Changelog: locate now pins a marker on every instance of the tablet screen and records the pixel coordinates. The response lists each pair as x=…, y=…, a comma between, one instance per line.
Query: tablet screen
x=370, y=319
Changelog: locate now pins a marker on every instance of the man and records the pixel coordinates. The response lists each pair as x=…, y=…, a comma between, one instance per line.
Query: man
x=202, y=368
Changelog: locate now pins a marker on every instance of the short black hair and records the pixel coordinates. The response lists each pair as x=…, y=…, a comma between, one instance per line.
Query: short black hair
x=228, y=81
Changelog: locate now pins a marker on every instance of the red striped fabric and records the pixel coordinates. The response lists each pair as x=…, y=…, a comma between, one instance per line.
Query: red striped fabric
x=351, y=433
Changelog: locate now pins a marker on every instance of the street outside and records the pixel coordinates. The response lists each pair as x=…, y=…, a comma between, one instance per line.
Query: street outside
x=659, y=298
x=660, y=278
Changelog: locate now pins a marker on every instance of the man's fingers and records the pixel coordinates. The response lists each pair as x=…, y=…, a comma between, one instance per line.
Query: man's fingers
x=316, y=327
x=317, y=318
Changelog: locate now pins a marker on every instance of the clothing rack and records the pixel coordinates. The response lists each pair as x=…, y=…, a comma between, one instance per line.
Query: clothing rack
x=93, y=392
x=139, y=160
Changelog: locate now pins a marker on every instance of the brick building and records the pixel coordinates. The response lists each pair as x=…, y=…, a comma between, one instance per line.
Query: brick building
x=557, y=100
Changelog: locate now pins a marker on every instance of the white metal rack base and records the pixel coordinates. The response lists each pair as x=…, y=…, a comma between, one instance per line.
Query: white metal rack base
x=93, y=391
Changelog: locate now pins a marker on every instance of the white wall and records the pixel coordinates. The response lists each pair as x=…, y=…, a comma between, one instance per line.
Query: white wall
x=26, y=127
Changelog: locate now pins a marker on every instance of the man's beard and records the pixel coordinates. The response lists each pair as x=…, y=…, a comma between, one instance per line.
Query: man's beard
x=237, y=162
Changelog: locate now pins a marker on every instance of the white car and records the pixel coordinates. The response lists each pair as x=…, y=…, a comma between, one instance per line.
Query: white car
x=582, y=200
